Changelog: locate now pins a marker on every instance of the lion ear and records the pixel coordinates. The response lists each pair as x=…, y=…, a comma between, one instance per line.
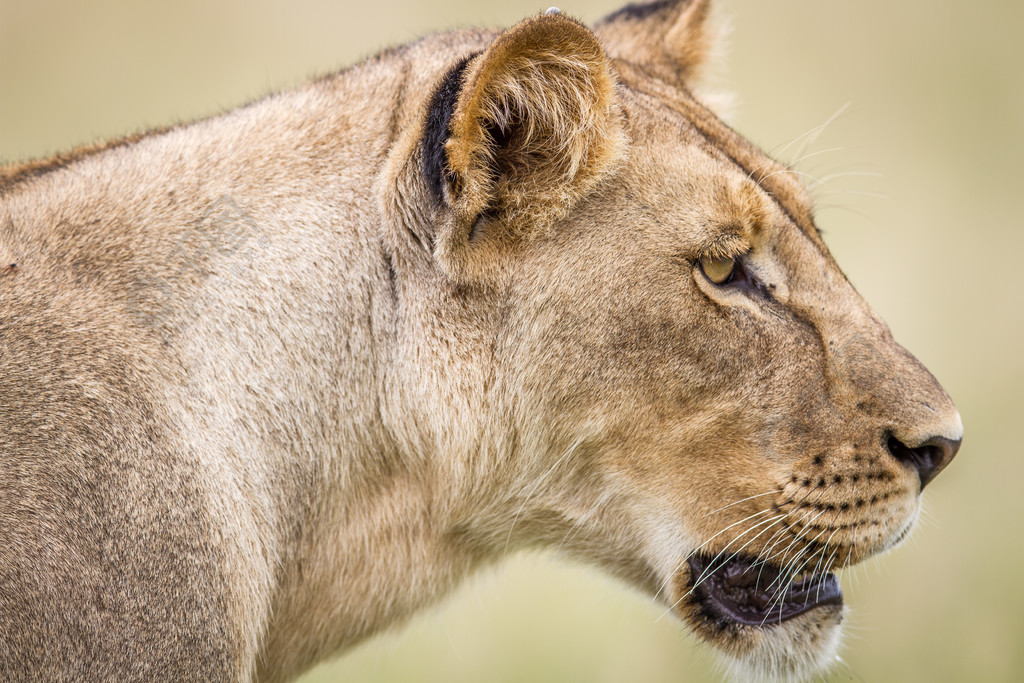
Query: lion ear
x=669, y=38
x=518, y=133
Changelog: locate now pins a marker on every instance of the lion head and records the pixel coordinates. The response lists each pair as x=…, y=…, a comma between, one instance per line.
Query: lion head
x=626, y=331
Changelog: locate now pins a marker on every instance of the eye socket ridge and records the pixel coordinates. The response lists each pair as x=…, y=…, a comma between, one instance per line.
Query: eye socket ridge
x=731, y=272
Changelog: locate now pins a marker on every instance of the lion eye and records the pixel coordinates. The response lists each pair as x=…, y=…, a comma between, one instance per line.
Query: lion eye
x=718, y=270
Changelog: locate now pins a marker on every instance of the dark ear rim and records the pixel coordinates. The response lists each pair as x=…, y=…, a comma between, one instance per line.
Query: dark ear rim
x=437, y=129
x=639, y=11
x=670, y=39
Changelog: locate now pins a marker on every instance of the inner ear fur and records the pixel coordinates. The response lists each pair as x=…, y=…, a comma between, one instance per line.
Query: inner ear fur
x=671, y=39
x=533, y=128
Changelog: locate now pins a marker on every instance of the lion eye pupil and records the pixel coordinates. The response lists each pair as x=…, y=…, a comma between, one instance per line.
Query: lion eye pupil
x=718, y=270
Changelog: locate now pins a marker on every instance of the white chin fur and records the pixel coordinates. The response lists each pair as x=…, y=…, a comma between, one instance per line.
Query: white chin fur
x=795, y=650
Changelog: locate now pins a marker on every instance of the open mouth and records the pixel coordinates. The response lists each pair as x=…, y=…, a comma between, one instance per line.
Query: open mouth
x=741, y=590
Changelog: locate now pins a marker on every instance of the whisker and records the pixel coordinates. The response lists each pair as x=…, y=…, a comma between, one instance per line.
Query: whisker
x=818, y=565
x=798, y=536
x=792, y=164
x=824, y=573
x=860, y=193
x=711, y=568
x=583, y=519
x=851, y=174
x=779, y=596
x=707, y=572
x=761, y=558
x=698, y=548
x=767, y=553
x=785, y=571
x=743, y=500
x=529, y=496
x=843, y=207
x=816, y=132
x=788, y=568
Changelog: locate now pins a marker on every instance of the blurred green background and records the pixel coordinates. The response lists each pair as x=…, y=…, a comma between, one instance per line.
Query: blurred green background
x=919, y=200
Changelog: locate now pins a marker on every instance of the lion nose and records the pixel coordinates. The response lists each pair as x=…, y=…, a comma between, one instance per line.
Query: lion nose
x=928, y=458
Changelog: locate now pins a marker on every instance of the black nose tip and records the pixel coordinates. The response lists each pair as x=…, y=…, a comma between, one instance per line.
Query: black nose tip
x=928, y=459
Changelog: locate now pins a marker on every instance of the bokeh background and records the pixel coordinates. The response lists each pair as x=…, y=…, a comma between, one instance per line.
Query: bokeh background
x=918, y=183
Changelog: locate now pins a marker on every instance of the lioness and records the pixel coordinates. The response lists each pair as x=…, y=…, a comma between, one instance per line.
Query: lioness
x=275, y=380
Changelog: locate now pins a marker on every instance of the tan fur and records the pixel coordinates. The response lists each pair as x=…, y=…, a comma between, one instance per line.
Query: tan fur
x=264, y=394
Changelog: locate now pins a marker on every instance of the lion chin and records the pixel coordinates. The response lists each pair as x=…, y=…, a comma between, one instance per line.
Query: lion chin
x=783, y=652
